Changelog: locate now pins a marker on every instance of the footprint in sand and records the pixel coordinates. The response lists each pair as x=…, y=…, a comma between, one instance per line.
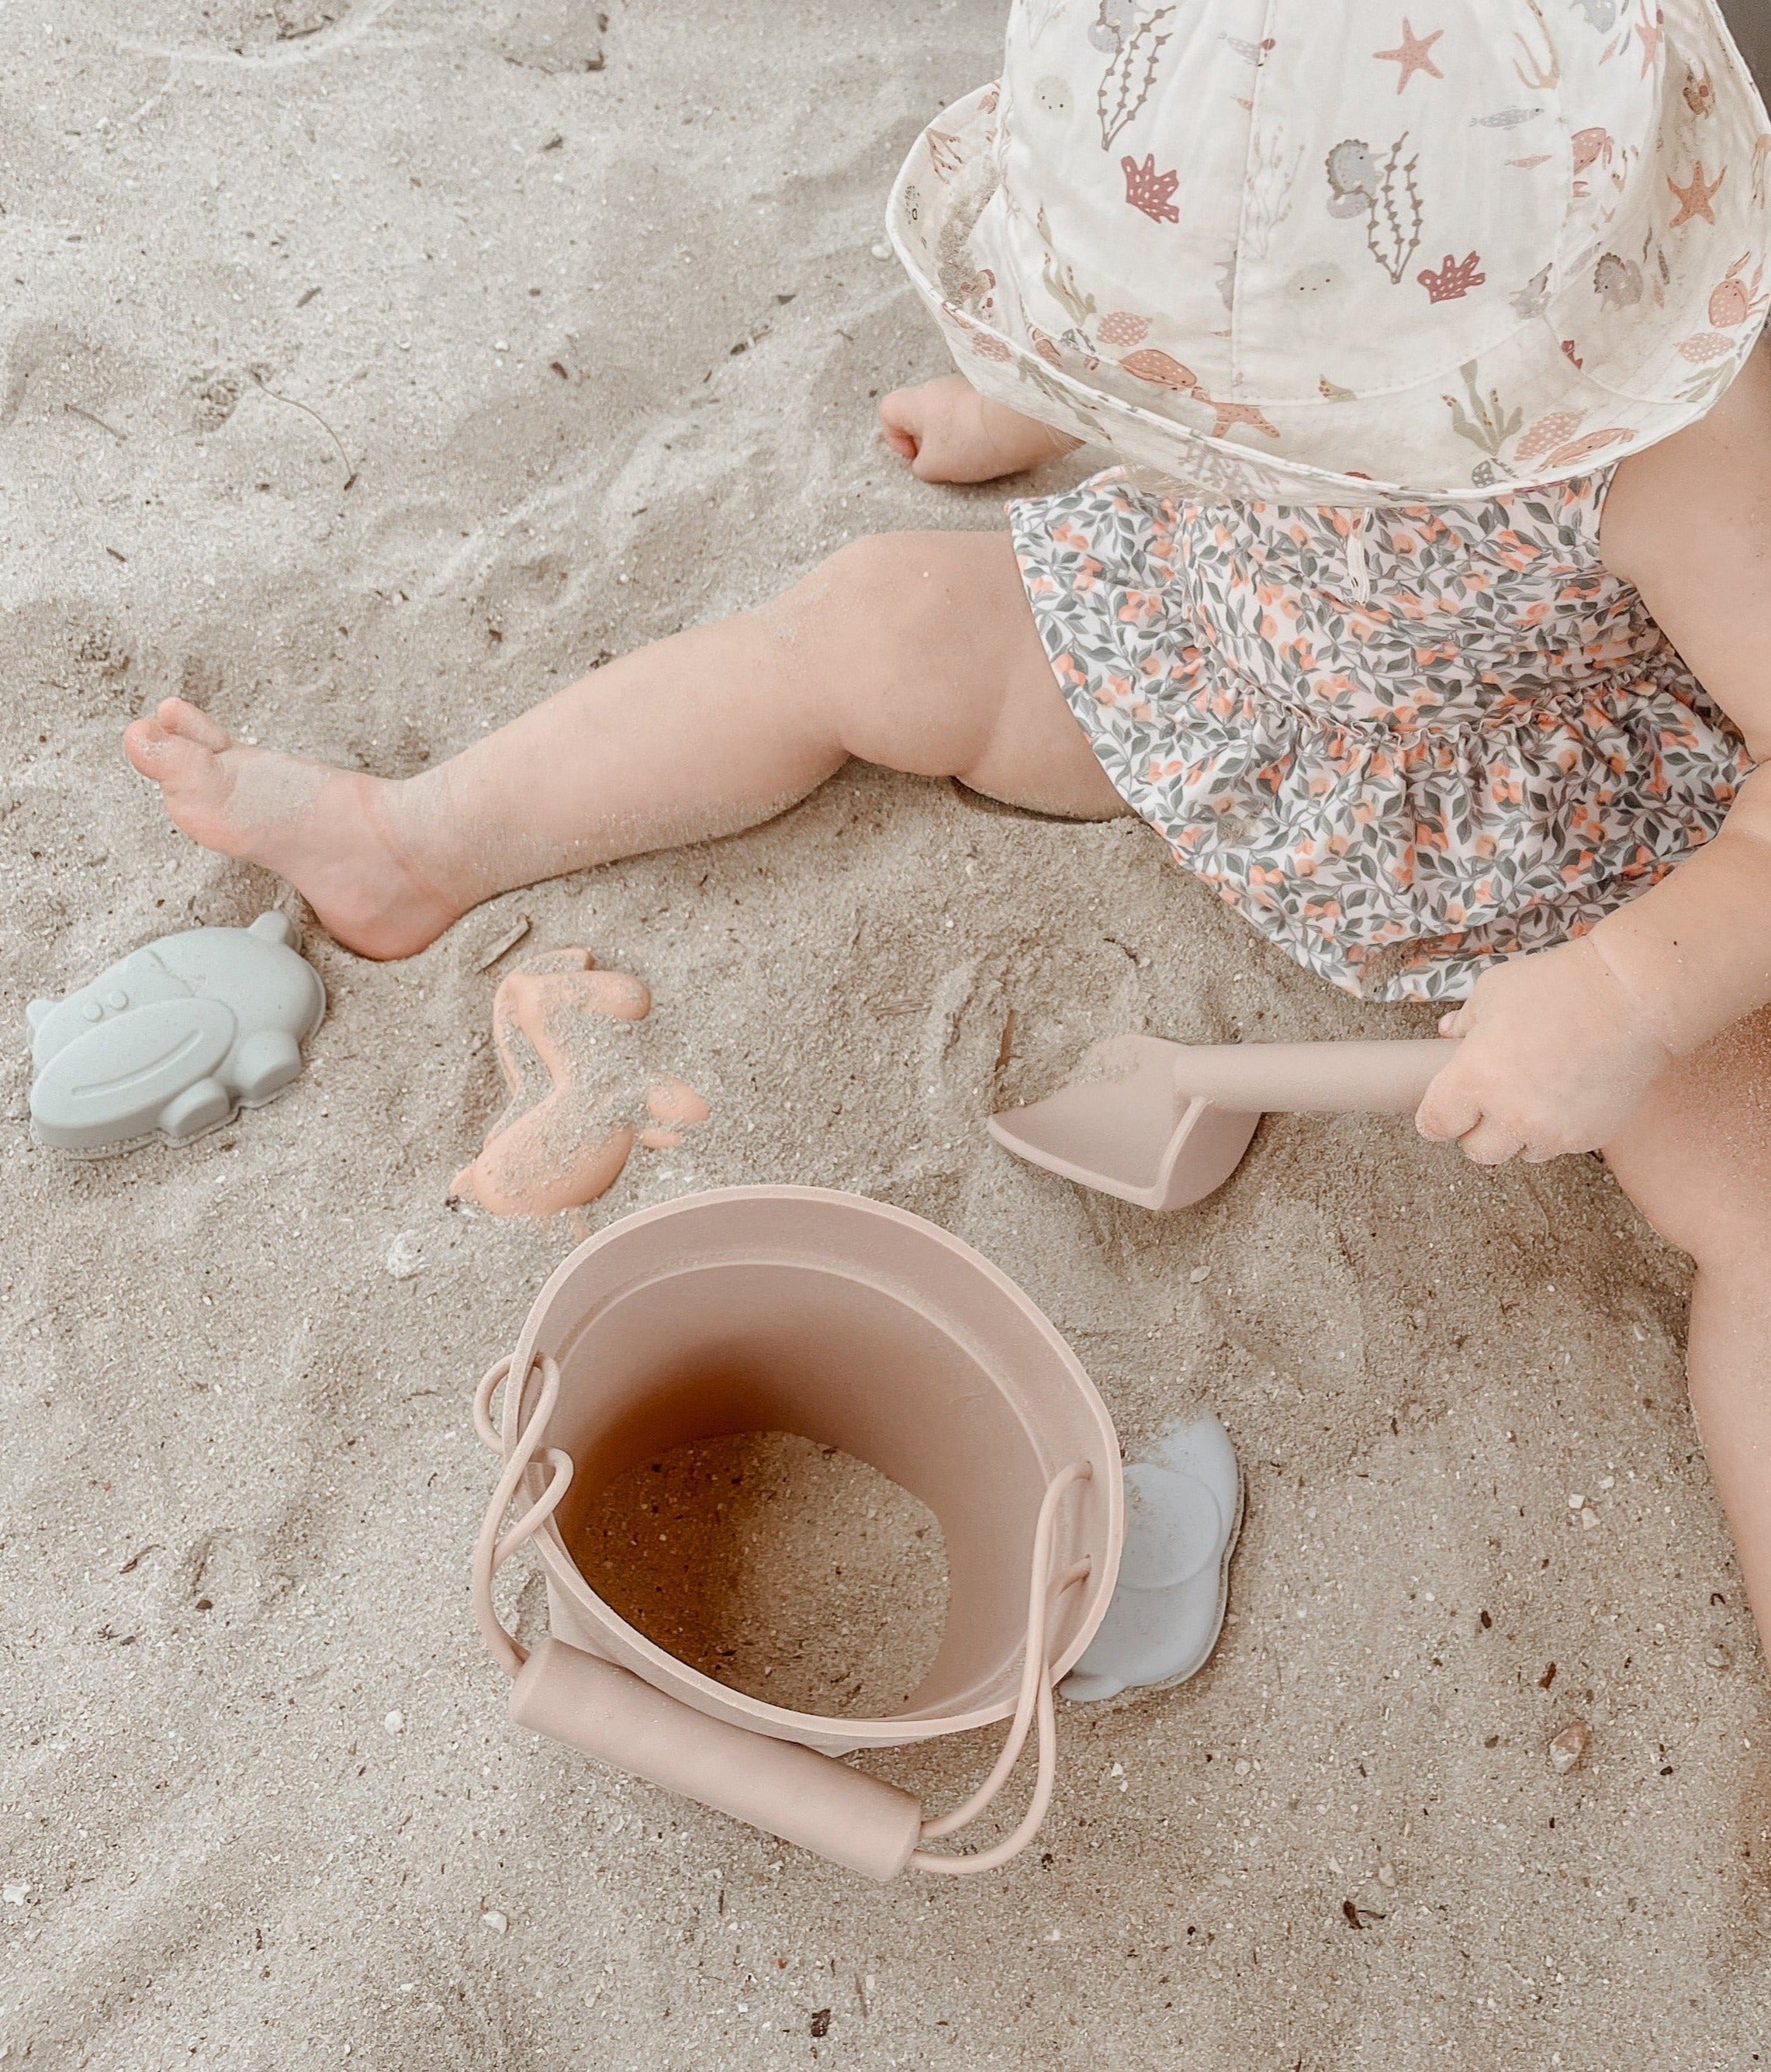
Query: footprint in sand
x=558, y=1023
x=549, y=35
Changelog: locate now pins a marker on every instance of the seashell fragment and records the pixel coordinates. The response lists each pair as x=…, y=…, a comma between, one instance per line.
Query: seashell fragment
x=1568, y=1747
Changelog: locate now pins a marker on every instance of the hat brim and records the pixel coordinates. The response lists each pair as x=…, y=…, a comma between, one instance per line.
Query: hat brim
x=1527, y=413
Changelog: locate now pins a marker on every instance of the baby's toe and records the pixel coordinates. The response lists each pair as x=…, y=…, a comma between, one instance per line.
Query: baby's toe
x=177, y=716
x=143, y=740
x=171, y=759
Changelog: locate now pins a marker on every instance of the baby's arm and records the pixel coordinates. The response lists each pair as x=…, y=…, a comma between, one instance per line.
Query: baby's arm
x=949, y=433
x=1690, y=522
x=1560, y=1048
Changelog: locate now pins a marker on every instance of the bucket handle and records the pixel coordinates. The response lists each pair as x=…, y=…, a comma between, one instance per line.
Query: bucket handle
x=1034, y=1702
x=519, y=1444
x=492, y=1549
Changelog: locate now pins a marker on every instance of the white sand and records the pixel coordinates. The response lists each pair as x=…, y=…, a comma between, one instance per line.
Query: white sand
x=241, y=1480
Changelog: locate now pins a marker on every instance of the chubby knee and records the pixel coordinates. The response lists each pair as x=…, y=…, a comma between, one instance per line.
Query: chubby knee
x=869, y=574
x=859, y=614
x=897, y=636
x=1722, y=1219
x=1697, y=1160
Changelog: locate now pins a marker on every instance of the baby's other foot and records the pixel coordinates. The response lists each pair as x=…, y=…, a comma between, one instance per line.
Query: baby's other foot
x=949, y=433
x=323, y=829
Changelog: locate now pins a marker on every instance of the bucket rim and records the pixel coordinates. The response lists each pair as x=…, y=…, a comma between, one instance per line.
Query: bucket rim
x=833, y=1732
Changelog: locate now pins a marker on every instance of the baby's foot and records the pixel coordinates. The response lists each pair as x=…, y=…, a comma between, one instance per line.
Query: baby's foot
x=325, y=830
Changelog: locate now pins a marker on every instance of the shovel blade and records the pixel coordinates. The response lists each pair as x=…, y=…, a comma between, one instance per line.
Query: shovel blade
x=1126, y=1129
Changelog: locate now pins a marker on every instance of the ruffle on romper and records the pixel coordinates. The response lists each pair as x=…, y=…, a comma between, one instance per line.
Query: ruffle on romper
x=1405, y=743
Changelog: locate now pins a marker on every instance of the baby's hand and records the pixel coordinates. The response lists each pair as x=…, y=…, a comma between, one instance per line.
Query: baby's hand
x=1555, y=1058
x=949, y=433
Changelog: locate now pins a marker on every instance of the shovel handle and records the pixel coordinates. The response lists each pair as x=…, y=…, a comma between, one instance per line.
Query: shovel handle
x=1312, y=1079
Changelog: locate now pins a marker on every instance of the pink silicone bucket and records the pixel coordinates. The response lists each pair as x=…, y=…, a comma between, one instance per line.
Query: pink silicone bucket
x=855, y=1326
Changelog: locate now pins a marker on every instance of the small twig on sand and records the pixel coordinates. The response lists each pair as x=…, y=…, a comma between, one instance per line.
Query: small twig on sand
x=74, y=410
x=349, y=472
x=507, y=941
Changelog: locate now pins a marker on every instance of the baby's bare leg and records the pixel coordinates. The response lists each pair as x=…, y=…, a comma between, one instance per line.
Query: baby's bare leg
x=1697, y=1162
x=1689, y=522
x=917, y=650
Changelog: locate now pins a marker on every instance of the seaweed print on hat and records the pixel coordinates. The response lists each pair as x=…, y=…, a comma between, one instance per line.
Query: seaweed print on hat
x=1040, y=15
x=943, y=153
x=1358, y=185
x=1132, y=35
x=1543, y=74
x=1556, y=438
x=1059, y=277
x=1488, y=425
x=1454, y=280
x=1268, y=198
x=1149, y=189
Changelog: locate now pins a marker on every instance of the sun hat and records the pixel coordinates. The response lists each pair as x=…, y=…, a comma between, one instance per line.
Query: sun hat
x=1355, y=254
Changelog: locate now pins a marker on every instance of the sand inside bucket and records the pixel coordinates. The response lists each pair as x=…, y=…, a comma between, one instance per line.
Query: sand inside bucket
x=784, y=1569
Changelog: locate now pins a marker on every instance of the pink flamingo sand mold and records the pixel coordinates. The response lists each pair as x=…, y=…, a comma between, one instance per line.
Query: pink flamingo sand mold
x=673, y=1107
x=559, y=1144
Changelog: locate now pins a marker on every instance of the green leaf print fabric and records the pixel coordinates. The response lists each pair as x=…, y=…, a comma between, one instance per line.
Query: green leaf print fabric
x=1486, y=752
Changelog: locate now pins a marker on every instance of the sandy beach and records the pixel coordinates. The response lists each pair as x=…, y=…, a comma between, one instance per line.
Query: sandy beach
x=369, y=368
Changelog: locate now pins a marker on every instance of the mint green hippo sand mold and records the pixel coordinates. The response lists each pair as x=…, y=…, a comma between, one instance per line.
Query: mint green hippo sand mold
x=175, y=1040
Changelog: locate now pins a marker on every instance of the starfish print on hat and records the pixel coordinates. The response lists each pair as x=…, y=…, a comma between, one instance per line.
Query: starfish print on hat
x=1694, y=200
x=1651, y=35
x=1414, y=54
x=1232, y=414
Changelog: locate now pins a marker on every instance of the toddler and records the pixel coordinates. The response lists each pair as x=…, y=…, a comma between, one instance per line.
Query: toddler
x=1425, y=615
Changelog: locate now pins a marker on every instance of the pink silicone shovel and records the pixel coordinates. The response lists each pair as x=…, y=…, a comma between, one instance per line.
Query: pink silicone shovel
x=1162, y=1125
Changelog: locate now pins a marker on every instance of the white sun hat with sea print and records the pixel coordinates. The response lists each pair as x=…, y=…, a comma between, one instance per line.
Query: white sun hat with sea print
x=1351, y=252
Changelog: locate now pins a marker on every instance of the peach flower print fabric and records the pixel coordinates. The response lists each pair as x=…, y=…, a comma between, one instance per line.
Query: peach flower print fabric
x=1404, y=743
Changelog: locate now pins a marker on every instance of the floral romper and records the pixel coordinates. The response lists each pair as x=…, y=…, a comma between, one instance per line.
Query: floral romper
x=1404, y=743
